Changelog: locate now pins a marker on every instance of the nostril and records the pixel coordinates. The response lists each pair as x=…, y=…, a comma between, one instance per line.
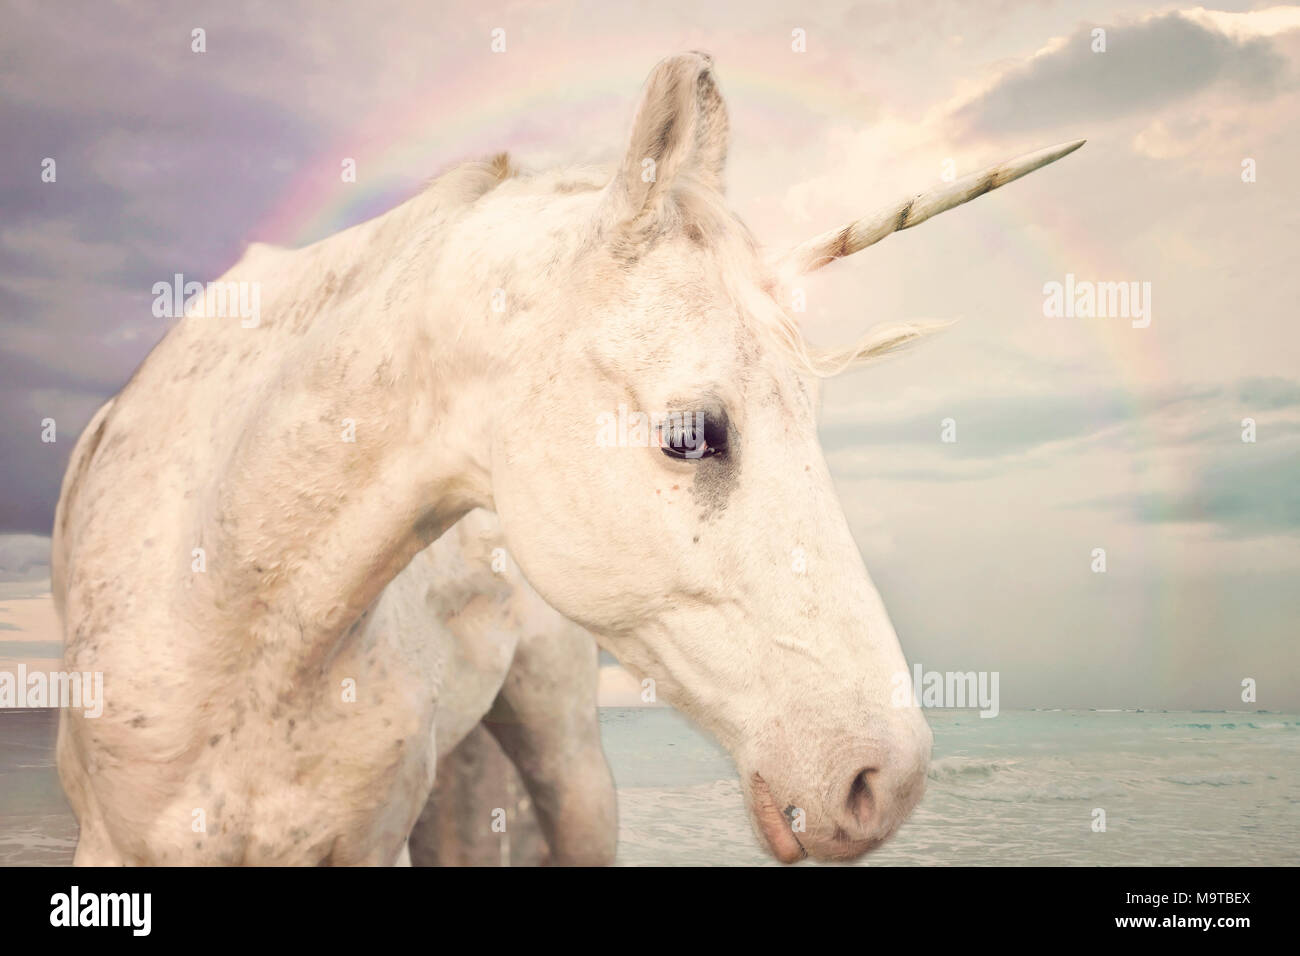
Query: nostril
x=860, y=795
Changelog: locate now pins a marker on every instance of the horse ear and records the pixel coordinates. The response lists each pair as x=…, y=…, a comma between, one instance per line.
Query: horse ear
x=680, y=129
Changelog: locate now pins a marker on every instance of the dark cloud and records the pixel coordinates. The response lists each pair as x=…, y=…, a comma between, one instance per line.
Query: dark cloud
x=33, y=469
x=1272, y=392
x=24, y=557
x=995, y=426
x=1246, y=492
x=39, y=650
x=1146, y=66
x=161, y=168
x=1243, y=489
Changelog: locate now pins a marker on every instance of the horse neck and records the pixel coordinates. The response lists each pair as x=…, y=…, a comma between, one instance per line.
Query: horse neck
x=370, y=442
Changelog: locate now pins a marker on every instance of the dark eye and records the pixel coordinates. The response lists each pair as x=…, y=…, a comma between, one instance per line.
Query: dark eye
x=693, y=435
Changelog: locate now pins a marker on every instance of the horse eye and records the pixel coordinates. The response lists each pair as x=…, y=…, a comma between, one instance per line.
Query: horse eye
x=693, y=435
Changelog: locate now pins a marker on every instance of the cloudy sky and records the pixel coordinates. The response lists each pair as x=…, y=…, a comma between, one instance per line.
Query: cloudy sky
x=1072, y=433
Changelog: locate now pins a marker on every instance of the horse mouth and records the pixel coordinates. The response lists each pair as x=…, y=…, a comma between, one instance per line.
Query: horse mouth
x=773, y=824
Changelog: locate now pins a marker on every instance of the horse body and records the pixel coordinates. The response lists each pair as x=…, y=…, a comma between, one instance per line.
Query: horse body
x=338, y=777
x=220, y=675
x=457, y=353
x=308, y=774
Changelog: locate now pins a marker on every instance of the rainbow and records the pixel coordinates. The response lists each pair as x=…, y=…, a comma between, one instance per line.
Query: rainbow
x=463, y=116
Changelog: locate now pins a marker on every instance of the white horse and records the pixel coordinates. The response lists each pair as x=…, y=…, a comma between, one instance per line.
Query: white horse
x=233, y=527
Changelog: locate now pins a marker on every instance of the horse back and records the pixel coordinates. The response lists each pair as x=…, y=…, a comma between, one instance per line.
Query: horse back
x=83, y=453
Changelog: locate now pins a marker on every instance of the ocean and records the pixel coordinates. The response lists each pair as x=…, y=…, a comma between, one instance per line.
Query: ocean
x=1178, y=789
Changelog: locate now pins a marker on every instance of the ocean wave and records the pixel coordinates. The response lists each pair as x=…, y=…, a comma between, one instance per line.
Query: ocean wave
x=1229, y=725
x=1223, y=778
x=948, y=768
x=1029, y=793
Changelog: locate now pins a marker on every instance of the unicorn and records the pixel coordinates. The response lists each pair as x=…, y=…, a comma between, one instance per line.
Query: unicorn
x=235, y=529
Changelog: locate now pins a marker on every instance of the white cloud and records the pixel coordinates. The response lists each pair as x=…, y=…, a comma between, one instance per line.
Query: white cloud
x=1247, y=24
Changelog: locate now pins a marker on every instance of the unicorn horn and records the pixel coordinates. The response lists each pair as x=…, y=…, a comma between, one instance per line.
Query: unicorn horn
x=815, y=253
